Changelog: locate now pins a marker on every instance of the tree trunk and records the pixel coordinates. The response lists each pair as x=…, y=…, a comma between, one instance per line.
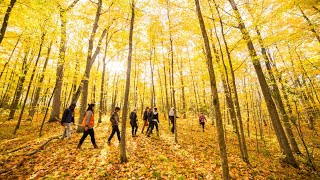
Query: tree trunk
x=233, y=89
x=56, y=104
x=282, y=139
x=29, y=86
x=90, y=60
x=38, y=88
x=277, y=97
x=311, y=26
x=193, y=83
x=214, y=91
x=184, y=106
x=103, y=77
x=6, y=20
x=21, y=80
x=123, y=156
x=5, y=65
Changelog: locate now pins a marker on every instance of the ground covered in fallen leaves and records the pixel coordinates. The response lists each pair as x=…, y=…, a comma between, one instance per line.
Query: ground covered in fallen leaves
x=196, y=156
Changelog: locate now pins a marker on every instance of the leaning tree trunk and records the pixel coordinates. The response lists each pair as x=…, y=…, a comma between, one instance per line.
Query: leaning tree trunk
x=277, y=97
x=29, y=86
x=6, y=19
x=233, y=88
x=282, y=139
x=123, y=156
x=5, y=64
x=21, y=80
x=311, y=26
x=84, y=85
x=38, y=88
x=214, y=91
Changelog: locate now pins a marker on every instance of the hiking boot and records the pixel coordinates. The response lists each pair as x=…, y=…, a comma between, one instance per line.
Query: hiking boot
x=158, y=133
x=108, y=142
x=95, y=146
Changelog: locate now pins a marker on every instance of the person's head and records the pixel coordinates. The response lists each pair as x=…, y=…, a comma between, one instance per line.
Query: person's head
x=201, y=113
x=72, y=106
x=90, y=107
x=155, y=109
x=147, y=108
x=117, y=109
x=172, y=108
x=150, y=109
x=134, y=110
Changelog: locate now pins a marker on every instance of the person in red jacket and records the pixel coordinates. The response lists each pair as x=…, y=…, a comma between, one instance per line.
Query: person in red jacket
x=88, y=124
x=202, y=120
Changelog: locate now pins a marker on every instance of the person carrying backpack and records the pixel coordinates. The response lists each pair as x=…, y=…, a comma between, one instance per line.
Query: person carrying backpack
x=115, y=122
x=133, y=122
x=88, y=124
x=155, y=122
x=202, y=120
x=67, y=120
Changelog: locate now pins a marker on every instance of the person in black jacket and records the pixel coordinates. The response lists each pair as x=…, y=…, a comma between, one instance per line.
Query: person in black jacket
x=145, y=119
x=149, y=120
x=133, y=122
x=67, y=120
x=154, y=122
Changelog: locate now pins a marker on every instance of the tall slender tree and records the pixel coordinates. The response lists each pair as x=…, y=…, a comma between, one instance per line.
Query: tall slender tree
x=123, y=155
x=282, y=139
x=214, y=91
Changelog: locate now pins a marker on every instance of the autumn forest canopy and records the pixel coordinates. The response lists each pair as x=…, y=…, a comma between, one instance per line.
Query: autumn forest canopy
x=235, y=84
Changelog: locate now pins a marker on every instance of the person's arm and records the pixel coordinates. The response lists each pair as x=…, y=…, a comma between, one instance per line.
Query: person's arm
x=89, y=114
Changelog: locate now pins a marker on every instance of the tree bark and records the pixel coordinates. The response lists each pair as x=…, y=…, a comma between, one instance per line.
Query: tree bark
x=84, y=85
x=311, y=26
x=29, y=86
x=56, y=104
x=6, y=19
x=5, y=65
x=214, y=91
x=277, y=97
x=21, y=80
x=282, y=139
x=38, y=88
x=233, y=89
x=123, y=156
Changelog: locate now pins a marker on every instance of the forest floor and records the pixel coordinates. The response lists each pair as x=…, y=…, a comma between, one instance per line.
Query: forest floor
x=195, y=157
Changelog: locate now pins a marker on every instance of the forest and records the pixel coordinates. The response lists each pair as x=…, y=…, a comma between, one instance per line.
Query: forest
x=232, y=88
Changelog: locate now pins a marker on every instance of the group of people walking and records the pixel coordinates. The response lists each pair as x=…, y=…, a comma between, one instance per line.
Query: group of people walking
x=150, y=120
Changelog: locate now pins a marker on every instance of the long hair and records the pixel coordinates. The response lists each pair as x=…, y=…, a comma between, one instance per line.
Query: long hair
x=90, y=107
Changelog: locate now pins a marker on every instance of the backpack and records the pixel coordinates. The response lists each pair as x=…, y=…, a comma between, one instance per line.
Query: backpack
x=64, y=116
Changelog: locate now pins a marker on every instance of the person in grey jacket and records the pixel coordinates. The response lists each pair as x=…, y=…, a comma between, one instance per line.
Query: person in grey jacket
x=115, y=122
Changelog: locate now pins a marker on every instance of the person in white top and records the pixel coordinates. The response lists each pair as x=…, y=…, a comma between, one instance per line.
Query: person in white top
x=171, y=117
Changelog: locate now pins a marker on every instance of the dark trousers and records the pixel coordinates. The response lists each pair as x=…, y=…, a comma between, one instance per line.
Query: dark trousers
x=85, y=134
x=134, y=127
x=154, y=123
x=149, y=127
x=115, y=129
x=172, y=121
x=202, y=124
